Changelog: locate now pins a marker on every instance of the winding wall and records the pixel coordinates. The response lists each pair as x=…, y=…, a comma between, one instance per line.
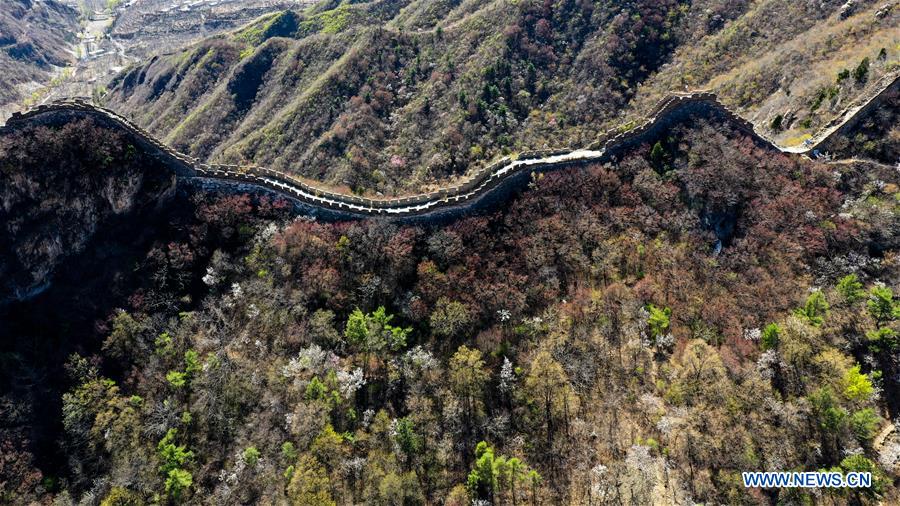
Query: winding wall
x=672, y=109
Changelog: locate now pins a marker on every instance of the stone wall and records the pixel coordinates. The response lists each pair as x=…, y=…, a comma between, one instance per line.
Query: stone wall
x=669, y=111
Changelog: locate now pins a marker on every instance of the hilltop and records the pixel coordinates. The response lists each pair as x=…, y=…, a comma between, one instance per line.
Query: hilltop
x=394, y=96
x=149, y=27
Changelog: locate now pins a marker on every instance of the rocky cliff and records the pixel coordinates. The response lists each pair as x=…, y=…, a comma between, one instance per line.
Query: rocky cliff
x=59, y=185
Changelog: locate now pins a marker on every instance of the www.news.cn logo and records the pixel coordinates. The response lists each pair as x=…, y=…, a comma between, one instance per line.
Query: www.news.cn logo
x=812, y=479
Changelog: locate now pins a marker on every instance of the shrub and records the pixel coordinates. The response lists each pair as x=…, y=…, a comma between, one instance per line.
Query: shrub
x=815, y=309
x=658, y=321
x=857, y=386
x=861, y=72
x=450, y=318
x=176, y=378
x=120, y=496
x=289, y=451
x=864, y=424
x=177, y=481
x=770, y=336
x=250, y=456
x=776, y=122
x=861, y=464
x=173, y=458
x=657, y=153
x=881, y=304
x=850, y=288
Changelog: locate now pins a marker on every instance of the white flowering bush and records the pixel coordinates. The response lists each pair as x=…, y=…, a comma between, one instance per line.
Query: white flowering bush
x=353, y=467
x=665, y=341
x=767, y=363
x=507, y=376
x=753, y=334
x=350, y=382
x=266, y=233
x=599, y=482
x=664, y=425
x=416, y=360
x=639, y=459
x=652, y=403
x=311, y=359
x=367, y=417
x=211, y=278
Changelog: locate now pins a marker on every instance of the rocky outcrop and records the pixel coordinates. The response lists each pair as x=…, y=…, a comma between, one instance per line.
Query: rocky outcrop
x=58, y=188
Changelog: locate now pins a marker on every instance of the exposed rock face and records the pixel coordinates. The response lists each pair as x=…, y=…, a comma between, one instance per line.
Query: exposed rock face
x=847, y=9
x=47, y=214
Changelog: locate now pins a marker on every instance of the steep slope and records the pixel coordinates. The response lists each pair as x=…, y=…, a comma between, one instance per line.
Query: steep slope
x=53, y=215
x=644, y=330
x=388, y=96
x=875, y=135
x=36, y=38
x=489, y=183
x=789, y=66
x=84, y=212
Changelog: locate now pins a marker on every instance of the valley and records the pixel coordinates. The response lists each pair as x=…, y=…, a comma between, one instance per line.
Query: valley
x=106, y=37
x=36, y=48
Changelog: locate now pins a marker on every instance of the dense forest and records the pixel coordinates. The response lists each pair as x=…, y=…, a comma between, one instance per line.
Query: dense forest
x=634, y=332
x=394, y=96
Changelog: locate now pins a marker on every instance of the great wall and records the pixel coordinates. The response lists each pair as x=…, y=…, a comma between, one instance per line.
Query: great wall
x=481, y=182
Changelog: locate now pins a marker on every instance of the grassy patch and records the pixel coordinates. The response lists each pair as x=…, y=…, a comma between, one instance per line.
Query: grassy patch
x=794, y=141
x=39, y=95
x=333, y=21
x=280, y=24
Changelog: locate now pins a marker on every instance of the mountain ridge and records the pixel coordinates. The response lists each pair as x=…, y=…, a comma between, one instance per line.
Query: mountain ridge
x=370, y=100
x=482, y=180
x=717, y=232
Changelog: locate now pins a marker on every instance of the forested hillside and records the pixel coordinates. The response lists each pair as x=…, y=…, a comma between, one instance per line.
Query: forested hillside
x=389, y=96
x=634, y=332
